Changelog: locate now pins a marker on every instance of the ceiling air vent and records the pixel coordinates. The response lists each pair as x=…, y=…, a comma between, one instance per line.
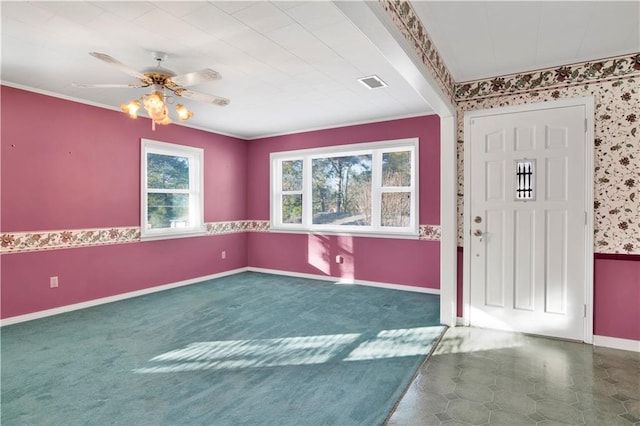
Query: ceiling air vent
x=372, y=82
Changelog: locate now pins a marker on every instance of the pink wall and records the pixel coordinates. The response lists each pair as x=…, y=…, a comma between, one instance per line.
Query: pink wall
x=101, y=271
x=397, y=261
x=617, y=296
x=78, y=166
x=406, y=262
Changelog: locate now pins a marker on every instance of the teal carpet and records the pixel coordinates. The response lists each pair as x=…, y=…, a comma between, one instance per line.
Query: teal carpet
x=248, y=349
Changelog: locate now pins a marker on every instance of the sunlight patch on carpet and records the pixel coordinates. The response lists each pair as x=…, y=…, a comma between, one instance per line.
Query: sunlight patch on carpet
x=289, y=351
x=397, y=343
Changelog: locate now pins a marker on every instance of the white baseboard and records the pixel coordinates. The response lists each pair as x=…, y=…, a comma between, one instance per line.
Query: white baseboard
x=123, y=296
x=604, y=341
x=346, y=281
x=617, y=343
x=117, y=297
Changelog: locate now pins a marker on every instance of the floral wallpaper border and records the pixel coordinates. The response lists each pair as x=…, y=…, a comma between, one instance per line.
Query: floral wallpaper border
x=21, y=242
x=430, y=232
x=560, y=77
x=232, y=227
x=406, y=20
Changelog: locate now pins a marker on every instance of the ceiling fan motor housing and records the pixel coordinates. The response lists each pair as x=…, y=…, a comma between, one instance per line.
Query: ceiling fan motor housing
x=161, y=78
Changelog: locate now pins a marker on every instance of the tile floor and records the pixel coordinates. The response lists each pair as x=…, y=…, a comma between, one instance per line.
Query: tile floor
x=485, y=377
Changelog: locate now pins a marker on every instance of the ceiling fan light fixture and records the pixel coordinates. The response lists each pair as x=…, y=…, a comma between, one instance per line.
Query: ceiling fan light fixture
x=166, y=120
x=183, y=113
x=156, y=106
x=131, y=108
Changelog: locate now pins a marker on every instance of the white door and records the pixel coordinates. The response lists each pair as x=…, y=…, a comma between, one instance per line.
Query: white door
x=528, y=217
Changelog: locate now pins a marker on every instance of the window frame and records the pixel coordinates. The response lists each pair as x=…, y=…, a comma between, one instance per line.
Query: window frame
x=376, y=150
x=195, y=191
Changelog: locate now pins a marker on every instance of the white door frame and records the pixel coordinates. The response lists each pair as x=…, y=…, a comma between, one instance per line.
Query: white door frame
x=588, y=103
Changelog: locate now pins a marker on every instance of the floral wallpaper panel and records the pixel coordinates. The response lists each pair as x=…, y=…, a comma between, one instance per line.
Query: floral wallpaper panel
x=615, y=84
x=616, y=156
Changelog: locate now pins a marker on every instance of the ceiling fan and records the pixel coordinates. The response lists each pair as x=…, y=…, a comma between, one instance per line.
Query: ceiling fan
x=162, y=81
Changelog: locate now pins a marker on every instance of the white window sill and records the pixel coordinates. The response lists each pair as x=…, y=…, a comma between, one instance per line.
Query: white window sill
x=173, y=235
x=373, y=234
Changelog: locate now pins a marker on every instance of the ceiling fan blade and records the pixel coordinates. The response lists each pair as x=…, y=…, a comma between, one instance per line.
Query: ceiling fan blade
x=122, y=67
x=196, y=77
x=108, y=86
x=202, y=97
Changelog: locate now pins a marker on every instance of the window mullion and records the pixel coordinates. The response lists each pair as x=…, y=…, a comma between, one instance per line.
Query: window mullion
x=413, y=218
x=376, y=186
x=280, y=180
x=194, y=213
x=277, y=199
x=307, y=195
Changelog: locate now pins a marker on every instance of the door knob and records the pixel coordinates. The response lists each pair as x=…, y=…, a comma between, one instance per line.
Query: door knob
x=477, y=233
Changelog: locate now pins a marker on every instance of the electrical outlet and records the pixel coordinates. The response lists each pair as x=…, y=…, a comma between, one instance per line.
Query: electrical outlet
x=339, y=259
x=53, y=282
x=223, y=255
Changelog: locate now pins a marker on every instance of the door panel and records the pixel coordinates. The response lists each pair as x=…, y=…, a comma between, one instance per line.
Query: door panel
x=494, y=178
x=494, y=142
x=524, y=269
x=495, y=254
x=527, y=238
x=556, y=268
x=525, y=138
x=556, y=179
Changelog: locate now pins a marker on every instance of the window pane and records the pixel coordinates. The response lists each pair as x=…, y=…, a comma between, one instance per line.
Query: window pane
x=167, y=171
x=396, y=168
x=292, y=175
x=525, y=179
x=292, y=208
x=396, y=208
x=341, y=190
x=167, y=210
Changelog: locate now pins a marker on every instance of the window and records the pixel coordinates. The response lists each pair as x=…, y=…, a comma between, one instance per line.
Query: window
x=364, y=188
x=525, y=179
x=172, y=195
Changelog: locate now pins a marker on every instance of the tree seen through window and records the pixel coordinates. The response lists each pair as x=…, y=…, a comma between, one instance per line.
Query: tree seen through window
x=167, y=208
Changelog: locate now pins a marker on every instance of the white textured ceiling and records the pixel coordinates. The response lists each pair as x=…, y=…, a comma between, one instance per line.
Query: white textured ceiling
x=292, y=66
x=479, y=39
x=286, y=66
